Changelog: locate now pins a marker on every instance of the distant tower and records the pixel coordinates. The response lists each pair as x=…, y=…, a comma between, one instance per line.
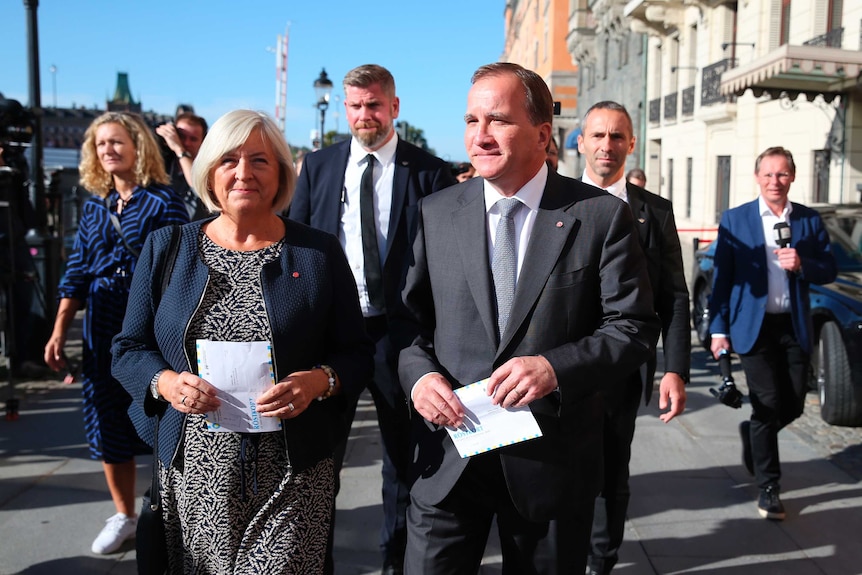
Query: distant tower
x=123, y=101
x=281, y=78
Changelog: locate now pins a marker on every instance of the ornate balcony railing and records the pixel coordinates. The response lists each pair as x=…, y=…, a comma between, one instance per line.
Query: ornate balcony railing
x=655, y=111
x=688, y=101
x=831, y=39
x=670, y=102
x=709, y=91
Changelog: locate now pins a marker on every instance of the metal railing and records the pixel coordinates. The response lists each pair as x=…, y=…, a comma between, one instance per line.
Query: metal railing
x=655, y=111
x=709, y=91
x=670, y=105
x=831, y=39
x=688, y=101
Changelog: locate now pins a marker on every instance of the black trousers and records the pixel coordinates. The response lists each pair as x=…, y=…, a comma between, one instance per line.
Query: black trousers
x=393, y=418
x=450, y=538
x=609, y=518
x=776, y=370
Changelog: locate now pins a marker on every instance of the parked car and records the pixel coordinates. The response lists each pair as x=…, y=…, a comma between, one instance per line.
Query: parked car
x=836, y=310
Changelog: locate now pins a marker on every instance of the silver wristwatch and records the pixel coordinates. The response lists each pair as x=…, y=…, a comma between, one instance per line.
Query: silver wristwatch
x=154, y=385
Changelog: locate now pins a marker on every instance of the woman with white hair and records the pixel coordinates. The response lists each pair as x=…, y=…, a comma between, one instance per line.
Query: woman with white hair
x=239, y=502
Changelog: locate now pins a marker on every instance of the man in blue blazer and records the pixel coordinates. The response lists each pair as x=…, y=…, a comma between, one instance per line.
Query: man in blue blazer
x=329, y=196
x=607, y=139
x=760, y=309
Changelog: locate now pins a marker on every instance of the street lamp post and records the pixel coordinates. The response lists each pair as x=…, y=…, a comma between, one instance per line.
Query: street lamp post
x=322, y=89
x=54, y=83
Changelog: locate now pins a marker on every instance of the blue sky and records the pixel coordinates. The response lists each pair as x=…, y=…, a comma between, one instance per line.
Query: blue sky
x=213, y=54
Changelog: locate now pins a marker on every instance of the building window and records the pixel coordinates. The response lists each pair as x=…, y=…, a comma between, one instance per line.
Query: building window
x=625, y=42
x=821, y=176
x=689, y=173
x=670, y=179
x=835, y=9
x=785, y=23
x=722, y=186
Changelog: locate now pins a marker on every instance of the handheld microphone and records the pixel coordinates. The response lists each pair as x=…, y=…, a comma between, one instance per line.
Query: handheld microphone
x=781, y=233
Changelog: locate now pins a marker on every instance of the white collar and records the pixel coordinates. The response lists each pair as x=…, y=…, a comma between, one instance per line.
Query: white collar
x=385, y=154
x=530, y=194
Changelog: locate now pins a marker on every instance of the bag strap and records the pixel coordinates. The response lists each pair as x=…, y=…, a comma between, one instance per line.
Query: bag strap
x=167, y=271
x=116, y=221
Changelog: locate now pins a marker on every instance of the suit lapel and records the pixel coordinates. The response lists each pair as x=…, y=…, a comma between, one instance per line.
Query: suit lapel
x=553, y=226
x=639, y=213
x=469, y=223
x=333, y=189
x=400, y=181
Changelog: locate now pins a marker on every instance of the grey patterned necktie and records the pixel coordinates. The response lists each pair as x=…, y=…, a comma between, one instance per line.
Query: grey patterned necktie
x=505, y=265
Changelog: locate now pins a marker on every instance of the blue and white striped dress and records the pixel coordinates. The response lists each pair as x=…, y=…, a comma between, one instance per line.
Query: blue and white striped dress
x=99, y=272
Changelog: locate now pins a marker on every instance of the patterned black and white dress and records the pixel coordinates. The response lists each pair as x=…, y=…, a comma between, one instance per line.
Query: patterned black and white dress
x=232, y=502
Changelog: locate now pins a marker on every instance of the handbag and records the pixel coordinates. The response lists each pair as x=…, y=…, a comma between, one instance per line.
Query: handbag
x=150, y=543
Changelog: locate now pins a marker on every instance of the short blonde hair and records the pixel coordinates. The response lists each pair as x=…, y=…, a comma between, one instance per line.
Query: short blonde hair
x=149, y=166
x=229, y=133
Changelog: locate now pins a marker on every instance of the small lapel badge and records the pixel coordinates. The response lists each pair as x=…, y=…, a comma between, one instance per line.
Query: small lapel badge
x=559, y=224
x=295, y=274
x=641, y=220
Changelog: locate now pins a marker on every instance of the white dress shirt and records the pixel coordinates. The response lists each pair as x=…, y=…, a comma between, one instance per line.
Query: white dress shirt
x=617, y=189
x=778, y=299
x=350, y=232
x=531, y=196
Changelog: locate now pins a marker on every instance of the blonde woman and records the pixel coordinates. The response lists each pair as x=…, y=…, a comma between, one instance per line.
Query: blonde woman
x=122, y=168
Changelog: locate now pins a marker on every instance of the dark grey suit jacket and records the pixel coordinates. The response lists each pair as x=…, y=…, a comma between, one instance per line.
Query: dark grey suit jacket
x=583, y=302
x=660, y=243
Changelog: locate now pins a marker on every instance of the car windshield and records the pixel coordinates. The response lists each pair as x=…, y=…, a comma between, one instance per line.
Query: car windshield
x=845, y=231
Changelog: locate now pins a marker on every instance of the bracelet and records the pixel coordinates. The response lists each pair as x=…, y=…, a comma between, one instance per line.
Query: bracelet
x=154, y=386
x=330, y=373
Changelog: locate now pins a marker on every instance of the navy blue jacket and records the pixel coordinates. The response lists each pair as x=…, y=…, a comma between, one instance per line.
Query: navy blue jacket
x=318, y=197
x=313, y=310
x=740, y=285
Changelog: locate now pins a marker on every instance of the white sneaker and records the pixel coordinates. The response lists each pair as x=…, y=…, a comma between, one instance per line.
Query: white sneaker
x=117, y=529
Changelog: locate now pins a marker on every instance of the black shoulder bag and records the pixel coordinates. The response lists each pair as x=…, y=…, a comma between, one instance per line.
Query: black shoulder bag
x=116, y=221
x=150, y=544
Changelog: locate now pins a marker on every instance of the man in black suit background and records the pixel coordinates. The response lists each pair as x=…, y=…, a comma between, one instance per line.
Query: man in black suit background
x=375, y=237
x=552, y=309
x=607, y=138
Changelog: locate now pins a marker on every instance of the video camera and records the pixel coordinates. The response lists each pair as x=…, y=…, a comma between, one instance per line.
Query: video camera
x=17, y=125
x=727, y=393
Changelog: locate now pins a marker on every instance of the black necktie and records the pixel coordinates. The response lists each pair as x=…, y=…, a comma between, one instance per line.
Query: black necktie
x=370, y=251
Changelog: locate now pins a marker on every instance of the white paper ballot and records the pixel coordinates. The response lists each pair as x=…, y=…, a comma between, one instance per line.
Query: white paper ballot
x=487, y=426
x=241, y=371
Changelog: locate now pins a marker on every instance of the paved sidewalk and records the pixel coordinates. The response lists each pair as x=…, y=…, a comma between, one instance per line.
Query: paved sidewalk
x=692, y=507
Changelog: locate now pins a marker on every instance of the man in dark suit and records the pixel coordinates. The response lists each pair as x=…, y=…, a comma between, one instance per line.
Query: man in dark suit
x=760, y=309
x=395, y=175
x=535, y=280
x=606, y=140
